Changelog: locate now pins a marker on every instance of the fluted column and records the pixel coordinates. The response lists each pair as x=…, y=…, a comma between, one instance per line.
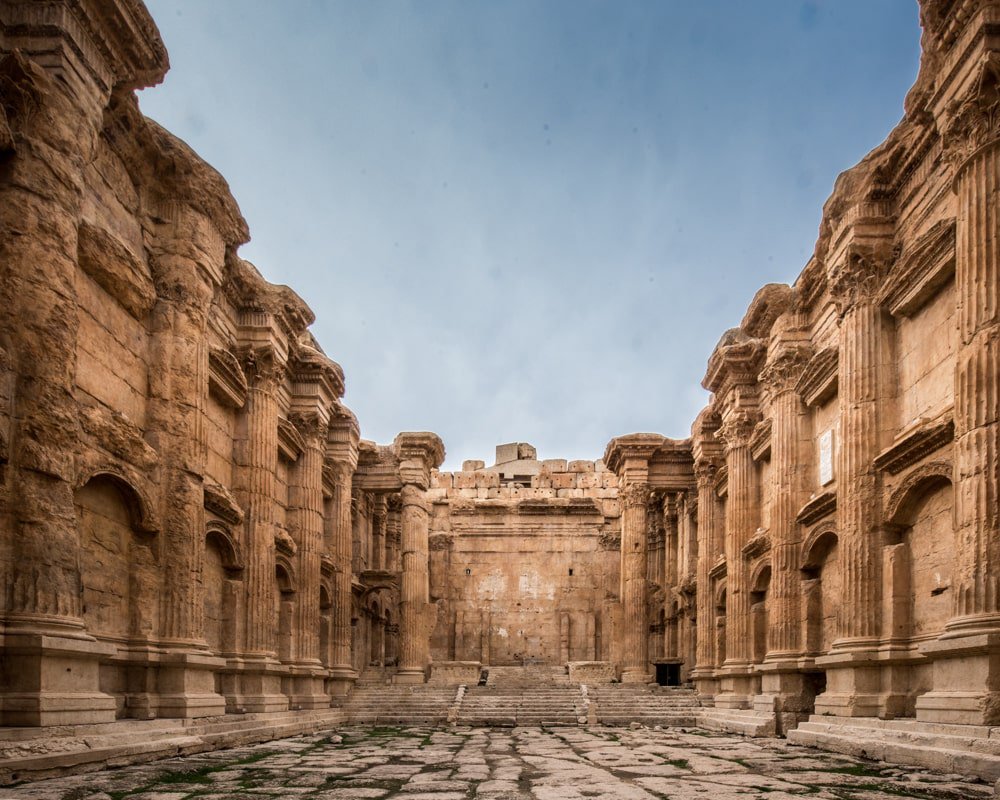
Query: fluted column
x=341, y=669
x=635, y=618
x=705, y=471
x=260, y=677
x=742, y=515
x=378, y=533
x=305, y=525
x=414, y=647
x=865, y=383
x=967, y=656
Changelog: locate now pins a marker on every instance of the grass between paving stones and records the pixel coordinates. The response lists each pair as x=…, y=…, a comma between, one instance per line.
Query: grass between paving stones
x=199, y=776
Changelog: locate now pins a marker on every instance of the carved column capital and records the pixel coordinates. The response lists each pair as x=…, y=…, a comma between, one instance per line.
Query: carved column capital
x=782, y=371
x=263, y=367
x=973, y=122
x=634, y=495
x=705, y=470
x=311, y=425
x=859, y=277
x=737, y=428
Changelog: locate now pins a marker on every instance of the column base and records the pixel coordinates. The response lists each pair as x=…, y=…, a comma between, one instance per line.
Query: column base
x=853, y=684
x=964, y=669
x=186, y=685
x=257, y=686
x=340, y=681
x=636, y=675
x=786, y=691
x=409, y=675
x=706, y=685
x=307, y=687
x=737, y=686
x=53, y=679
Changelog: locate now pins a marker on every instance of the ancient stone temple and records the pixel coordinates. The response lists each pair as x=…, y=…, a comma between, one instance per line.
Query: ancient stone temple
x=191, y=527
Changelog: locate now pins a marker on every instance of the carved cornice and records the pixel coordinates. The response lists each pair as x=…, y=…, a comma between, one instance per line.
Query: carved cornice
x=226, y=380
x=859, y=276
x=631, y=447
x=818, y=381
x=688, y=585
x=290, y=441
x=284, y=542
x=736, y=360
x=220, y=502
x=758, y=544
x=917, y=445
x=760, y=440
x=818, y=507
x=311, y=364
x=921, y=270
x=722, y=481
x=771, y=301
x=718, y=569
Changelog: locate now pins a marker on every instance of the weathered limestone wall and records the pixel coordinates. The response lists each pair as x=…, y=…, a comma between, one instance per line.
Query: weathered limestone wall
x=524, y=561
x=177, y=535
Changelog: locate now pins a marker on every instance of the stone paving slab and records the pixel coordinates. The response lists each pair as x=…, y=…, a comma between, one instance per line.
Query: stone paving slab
x=420, y=763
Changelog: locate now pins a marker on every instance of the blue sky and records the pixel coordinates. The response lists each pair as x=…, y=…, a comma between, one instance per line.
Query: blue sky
x=531, y=220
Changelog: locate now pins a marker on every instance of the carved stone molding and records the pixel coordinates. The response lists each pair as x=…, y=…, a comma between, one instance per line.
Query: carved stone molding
x=737, y=428
x=263, y=367
x=284, y=542
x=760, y=440
x=718, y=569
x=226, y=380
x=610, y=540
x=290, y=441
x=921, y=270
x=818, y=507
x=818, y=382
x=917, y=445
x=758, y=544
x=634, y=495
x=440, y=542
x=310, y=425
x=220, y=502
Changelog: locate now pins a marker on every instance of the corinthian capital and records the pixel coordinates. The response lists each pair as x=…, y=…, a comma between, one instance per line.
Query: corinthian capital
x=311, y=425
x=635, y=495
x=263, y=367
x=974, y=121
x=859, y=276
x=737, y=428
x=705, y=471
x=784, y=368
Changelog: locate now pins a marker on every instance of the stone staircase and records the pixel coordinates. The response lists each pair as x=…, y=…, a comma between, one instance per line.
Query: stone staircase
x=623, y=704
x=387, y=704
x=962, y=749
x=746, y=722
x=42, y=752
x=509, y=705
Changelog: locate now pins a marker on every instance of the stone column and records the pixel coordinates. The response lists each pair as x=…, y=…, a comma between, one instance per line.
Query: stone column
x=418, y=454
x=742, y=515
x=783, y=687
x=634, y=635
x=853, y=680
x=342, y=672
x=305, y=525
x=967, y=656
x=704, y=671
x=187, y=259
x=260, y=678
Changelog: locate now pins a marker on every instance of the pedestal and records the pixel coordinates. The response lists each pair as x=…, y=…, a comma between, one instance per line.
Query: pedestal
x=965, y=668
x=186, y=685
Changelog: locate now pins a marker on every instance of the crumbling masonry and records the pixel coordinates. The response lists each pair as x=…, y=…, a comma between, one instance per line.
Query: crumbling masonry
x=191, y=526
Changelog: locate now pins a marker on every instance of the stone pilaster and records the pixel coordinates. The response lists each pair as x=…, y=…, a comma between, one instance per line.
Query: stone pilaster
x=378, y=532
x=342, y=457
x=305, y=525
x=742, y=516
x=418, y=454
x=865, y=386
x=634, y=498
x=703, y=674
x=187, y=258
x=967, y=656
x=260, y=678
x=784, y=689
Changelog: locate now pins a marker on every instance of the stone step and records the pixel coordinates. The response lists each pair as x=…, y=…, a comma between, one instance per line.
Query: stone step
x=745, y=722
x=919, y=744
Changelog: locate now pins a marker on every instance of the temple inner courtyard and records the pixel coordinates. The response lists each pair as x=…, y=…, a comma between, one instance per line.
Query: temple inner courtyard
x=537, y=763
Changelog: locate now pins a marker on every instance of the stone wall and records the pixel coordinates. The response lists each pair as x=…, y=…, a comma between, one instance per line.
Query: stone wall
x=524, y=561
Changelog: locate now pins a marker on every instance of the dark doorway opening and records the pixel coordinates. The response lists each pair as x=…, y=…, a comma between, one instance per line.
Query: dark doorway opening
x=668, y=674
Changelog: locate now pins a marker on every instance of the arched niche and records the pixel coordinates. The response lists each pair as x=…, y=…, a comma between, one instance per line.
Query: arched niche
x=119, y=563
x=284, y=604
x=720, y=622
x=221, y=582
x=760, y=582
x=821, y=587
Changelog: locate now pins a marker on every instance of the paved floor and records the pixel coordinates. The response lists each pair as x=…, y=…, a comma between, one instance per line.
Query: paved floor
x=514, y=764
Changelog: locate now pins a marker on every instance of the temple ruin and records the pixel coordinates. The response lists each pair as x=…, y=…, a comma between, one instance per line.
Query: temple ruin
x=192, y=528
